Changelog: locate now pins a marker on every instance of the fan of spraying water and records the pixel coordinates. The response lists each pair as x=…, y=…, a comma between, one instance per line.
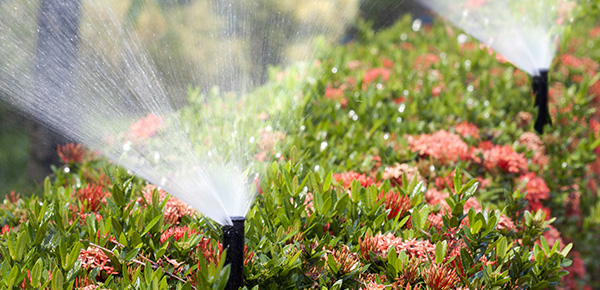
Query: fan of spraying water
x=525, y=32
x=114, y=74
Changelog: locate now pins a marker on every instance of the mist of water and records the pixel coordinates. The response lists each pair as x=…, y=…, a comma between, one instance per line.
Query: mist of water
x=525, y=32
x=122, y=89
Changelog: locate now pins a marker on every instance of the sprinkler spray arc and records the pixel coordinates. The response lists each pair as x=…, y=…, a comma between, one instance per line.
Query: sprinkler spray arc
x=233, y=241
x=540, y=90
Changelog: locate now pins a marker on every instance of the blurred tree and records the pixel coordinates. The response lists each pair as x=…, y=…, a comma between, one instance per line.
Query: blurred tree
x=56, y=52
x=383, y=13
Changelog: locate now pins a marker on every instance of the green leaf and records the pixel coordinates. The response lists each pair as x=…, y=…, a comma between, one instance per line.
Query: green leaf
x=36, y=273
x=57, y=279
x=501, y=247
x=12, y=277
x=327, y=182
x=566, y=250
x=151, y=224
x=73, y=256
x=440, y=251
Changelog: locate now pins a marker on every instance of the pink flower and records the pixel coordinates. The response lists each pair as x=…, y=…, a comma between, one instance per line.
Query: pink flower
x=175, y=209
x=445, y=147
x=145, y=127
x=396, y=172
x=467, y=129
x=502, y=156
x=346, y=179
x=93, y=257
x=380, y=244
x=333, y=93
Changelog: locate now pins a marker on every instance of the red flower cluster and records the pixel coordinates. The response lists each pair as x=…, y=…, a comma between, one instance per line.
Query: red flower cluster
x=396, y=203
x=380, y=244
x=145, y=127
x=177, y=233
x=533, y=143
x=504, y=157
x=71, y=152
x=536, y=189
x=425, y=61
x=174, y=209
x=93, y=257
x=92, y=196
x=440, y=277
x=346, y=179
x=445, y=147
x=375, y=73
x=396, y=172
x=467, y=129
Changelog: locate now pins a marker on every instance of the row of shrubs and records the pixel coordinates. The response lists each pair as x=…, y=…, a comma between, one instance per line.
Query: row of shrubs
x=407, y=160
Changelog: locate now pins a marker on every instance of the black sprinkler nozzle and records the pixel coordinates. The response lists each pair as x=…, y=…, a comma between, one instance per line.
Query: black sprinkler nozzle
x=233, y=241
x=540, y=90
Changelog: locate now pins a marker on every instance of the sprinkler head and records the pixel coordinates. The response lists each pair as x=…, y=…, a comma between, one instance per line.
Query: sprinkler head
x=233, y=241
x=540, y=90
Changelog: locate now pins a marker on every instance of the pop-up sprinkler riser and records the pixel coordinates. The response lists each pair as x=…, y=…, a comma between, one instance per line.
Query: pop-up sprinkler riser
x=540, y=90
x=233, y=241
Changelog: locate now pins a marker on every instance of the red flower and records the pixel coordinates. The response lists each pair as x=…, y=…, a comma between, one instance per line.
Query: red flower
x=93, y=257
x=447, y=148
x=440, y=277
x=536, y=188
x=71, y=153
x=502, y=156
x=177, y=233
x=396, y=203
x=333, y=93
x=467, y=129
x=145, y=127
x=396, y=172
x=375, y=73
x=387, y=62
x=175, y=209
x=346, y=179
x=92, y=196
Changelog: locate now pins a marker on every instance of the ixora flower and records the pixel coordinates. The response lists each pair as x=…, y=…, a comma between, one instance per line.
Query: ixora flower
x=380, y=244
x=503, y=157
x=92, y=196
x=93, y=257
x=396, y=172
x=346, y=179
x=145, y=127
x=71, y=152
x=536, y=189
x=445, y=147
x=374, y=73
x=467, y=129
x=175, y=209
x=440, y=277
x=177, y=233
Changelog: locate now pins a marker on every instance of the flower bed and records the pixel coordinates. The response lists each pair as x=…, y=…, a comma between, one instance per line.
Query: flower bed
x=413, y=166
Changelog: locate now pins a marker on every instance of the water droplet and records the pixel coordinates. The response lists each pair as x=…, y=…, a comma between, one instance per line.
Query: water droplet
x=351, y=113
x=127, y=146
x=354, y=118
x=210, y=154
x=486, y=103
x=269, y=129
x=401, y=108
x=468, y=63
x=334, y=70
x=564, y=165
x=163, y=181
x=251, y=140
x=302, y=128
x=431, y=168
x=67, y=170
x=386, y=136
x=403, y=36
x=317, y=167
x=379, y=86
x=470, y=88
x=323, y=145
x=156, y=156
x=278, y=155
x=443, y=55
x=399, y=120
x=486, y=115
x=416, y=25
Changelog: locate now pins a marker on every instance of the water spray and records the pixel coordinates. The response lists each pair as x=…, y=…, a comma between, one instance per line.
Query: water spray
x=540, y=90
x=233, y=241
